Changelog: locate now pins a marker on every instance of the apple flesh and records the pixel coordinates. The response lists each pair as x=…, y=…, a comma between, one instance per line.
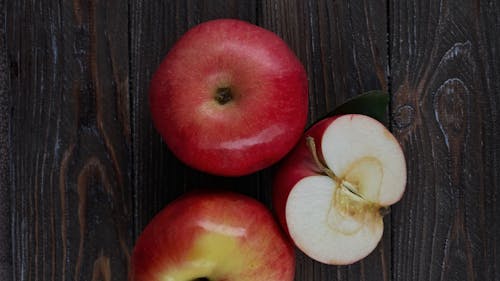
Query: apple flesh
x=230, y=98
x=213, y=236
x=332, y=191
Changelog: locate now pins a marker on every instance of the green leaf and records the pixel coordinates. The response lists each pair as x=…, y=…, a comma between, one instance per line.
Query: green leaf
x=372, y=103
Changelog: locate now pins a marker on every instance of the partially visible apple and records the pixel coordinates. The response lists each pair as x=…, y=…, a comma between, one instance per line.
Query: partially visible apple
x=213, y=236
x=331, y=192
x=230, y=98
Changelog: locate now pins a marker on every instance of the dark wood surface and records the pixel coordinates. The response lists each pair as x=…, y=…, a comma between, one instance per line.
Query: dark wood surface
x=82, y=169
x=445, y=65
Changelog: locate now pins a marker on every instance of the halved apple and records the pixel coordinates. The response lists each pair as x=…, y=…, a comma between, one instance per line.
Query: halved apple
x=332, y=191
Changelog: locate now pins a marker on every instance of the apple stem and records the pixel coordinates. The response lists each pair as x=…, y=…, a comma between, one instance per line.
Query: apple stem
x=311, y=144
x=223, y=95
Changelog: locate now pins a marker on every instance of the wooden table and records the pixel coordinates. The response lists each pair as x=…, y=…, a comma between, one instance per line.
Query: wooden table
x=82, y=170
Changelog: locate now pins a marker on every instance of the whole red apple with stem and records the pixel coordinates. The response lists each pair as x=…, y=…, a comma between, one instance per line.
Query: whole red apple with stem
x=230, y=98
x=213, y=236
x=333, y=189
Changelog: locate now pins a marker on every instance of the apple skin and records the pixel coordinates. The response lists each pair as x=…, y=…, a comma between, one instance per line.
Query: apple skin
x=214, y=235
x=266, y=110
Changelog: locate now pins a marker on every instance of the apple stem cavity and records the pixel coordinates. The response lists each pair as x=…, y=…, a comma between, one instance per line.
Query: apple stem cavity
x=223, y=95
x=347, y=202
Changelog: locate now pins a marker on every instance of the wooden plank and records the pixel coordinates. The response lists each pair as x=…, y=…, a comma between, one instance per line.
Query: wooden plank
x=70, y=136
x=343, y=47
x=158, y=176
x=445, y=67
x=5, y=187
x=341, y=43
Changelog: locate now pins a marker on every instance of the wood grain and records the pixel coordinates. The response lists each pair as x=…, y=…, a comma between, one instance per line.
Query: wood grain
x=5, y=186
x=444, y=69
x=82, y=170
x=70, y=139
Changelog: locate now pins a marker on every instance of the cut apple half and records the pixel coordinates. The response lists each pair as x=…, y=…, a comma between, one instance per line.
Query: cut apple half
x=332, y=192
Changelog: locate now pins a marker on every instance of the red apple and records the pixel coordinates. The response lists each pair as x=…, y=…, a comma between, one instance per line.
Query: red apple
x=213, y=236
x=331, y=192
x=230, y=98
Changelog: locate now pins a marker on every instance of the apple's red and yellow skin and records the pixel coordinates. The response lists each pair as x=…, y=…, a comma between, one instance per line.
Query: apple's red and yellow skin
x=255, y=123
x=216, y=236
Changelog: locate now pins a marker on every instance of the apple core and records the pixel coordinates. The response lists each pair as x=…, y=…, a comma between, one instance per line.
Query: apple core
x=351, y=203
